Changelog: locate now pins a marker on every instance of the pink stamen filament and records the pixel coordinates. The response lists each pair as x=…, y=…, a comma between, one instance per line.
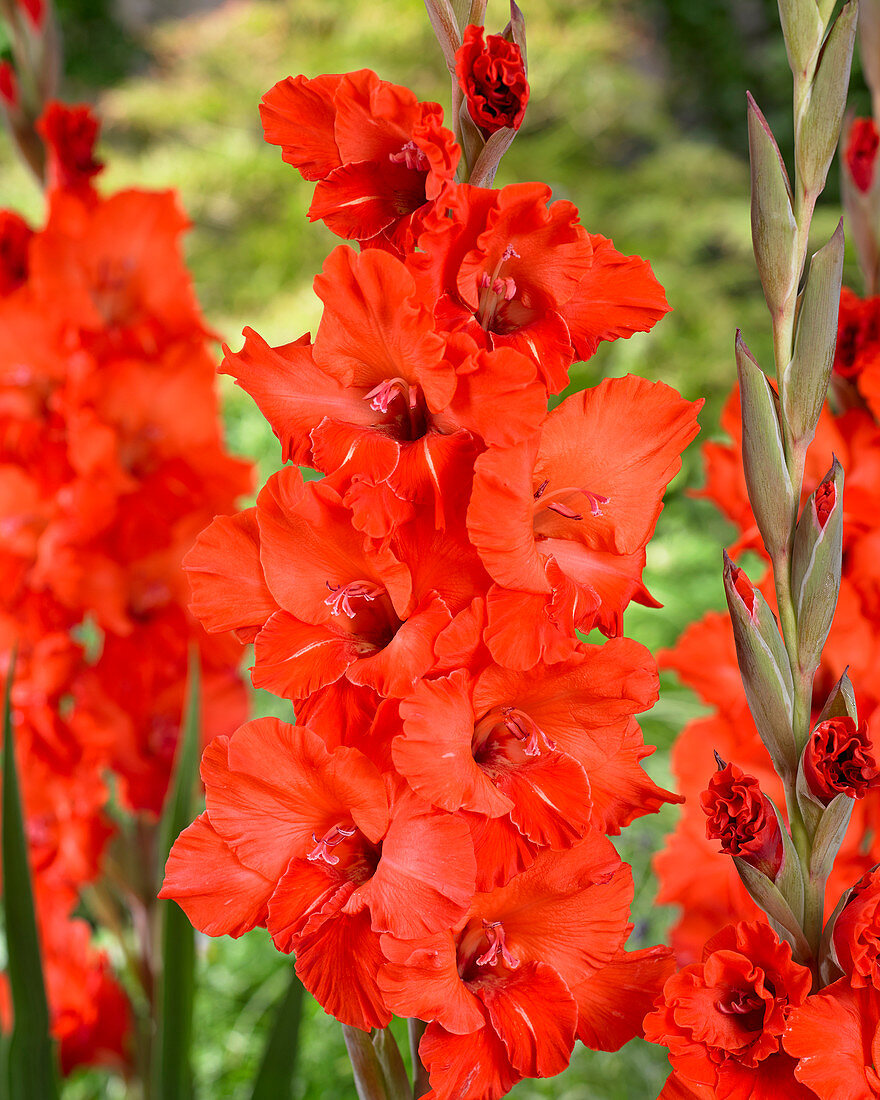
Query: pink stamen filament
x=593, y=499
x=339, y=600
x=494, y=290
x=381, y=396
x=526, y=729
x=412, y=156
x=497, y=946
x=329, y=840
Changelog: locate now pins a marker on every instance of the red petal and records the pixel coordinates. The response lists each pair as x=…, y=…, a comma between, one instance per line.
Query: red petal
x=613, y=1002
x=293, y=658
x=299, y=114
x=338, y=964
x=292, y=392
x=535, y=1015
x=618, y=296
x=462, y=1066
x=374, y=326
x=568, y=909
x=308, y=524
x=271, y=786
x=395, y=669
x=588, y=441
x=435, y=753
x=420, y=979
x=425, y=878
x=307, y=894
x=551, y=798
x=217, y=892
x=228, y=588
x=501, y=850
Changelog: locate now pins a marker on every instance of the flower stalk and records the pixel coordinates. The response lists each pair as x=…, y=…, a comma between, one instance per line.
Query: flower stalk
x=779, y=423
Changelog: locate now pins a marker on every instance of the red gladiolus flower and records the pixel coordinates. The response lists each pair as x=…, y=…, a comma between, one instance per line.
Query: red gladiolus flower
x=70, y=134
x=839, y=759
x=501, y=990
x=836, y=1038
x=857, y=932
x=860, y=153
x=723, y=1019
x=561, y=521
x=377, y=153
x=493, y=78
x=741, y=816
x=510, y=268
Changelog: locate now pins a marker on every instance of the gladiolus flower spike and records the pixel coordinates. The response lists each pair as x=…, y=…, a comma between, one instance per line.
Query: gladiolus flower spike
x=760, y=922
x=429, y=838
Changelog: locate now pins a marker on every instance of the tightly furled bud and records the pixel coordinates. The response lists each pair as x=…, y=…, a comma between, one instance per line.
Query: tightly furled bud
x=70, y=134
x=493, y=78
x=839, y=759
x=860, y=154
x=857, y=932
x=763, y=665
x=742, y=818
x=8, y=86
x=816, y=565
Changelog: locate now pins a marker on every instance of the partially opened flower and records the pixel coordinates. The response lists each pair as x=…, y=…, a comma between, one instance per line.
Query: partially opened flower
x=492, y=76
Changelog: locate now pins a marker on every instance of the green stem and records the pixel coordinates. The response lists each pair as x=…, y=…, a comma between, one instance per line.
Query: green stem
x=421, y=1084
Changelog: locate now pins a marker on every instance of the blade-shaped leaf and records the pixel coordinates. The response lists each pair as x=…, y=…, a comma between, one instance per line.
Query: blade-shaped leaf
x=30, y=1058
x=172, y=1068
x=275, y=1076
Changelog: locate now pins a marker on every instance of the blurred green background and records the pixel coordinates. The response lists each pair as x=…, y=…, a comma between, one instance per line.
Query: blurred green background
x=638, y=116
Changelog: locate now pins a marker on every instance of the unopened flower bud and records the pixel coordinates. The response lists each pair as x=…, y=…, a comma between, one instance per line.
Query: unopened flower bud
x=803, y=29
x=70, y=133
x=860, y=154
x=839, y=759
x=774, y=229
x=816, y=565
x=806, y=377
x=34, y=11
x=766, y=470
x=742, y=818
x=856, y=932
x=764, y=667
x=818, y=127
x=8, y=86
x=493, y=78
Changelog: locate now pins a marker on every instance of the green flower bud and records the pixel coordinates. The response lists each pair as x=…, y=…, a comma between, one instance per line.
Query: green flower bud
x=815, y=566
x=817, y=127
x=764, y=667
x=774, y=229
x=766, y=470
x=805, y=380
x=803, y=28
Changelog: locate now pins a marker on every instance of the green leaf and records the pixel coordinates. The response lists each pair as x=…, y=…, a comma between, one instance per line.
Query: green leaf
x=172, y=1069
x=30, y=1059
x=275, y=1076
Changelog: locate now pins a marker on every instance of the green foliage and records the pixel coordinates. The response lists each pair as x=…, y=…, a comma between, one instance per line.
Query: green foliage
x=29, y=1056
x=172, y=1069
